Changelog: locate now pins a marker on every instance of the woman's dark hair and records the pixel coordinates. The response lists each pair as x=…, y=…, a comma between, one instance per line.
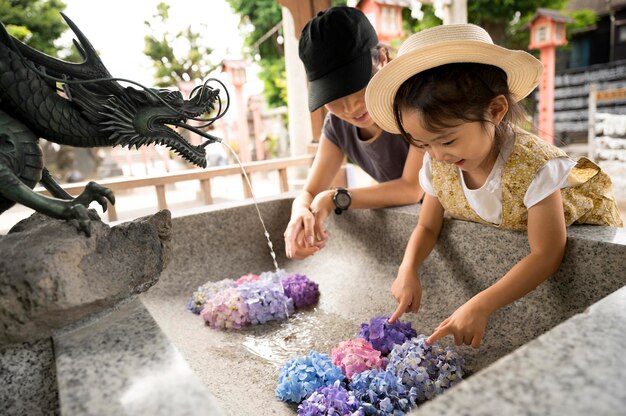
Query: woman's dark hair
x=377, y=56
x=450, y=93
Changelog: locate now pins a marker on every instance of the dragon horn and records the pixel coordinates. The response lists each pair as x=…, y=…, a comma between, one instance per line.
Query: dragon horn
x=91, y=68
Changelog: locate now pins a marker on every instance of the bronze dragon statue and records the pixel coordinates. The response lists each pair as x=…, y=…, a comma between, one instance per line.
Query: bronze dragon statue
x=82, y=105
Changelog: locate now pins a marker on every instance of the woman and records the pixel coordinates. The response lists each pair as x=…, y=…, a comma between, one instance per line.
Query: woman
x=340, y=52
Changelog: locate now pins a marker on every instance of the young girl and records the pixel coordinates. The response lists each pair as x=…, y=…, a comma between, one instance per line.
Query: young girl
x=340, y=52
x=453, y=93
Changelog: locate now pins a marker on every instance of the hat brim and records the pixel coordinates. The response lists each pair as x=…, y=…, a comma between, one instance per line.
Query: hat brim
x=341, y=82
x=522, y=69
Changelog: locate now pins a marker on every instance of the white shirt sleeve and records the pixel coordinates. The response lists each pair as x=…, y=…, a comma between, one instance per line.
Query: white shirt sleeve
x=552, y=176
x=425, y=176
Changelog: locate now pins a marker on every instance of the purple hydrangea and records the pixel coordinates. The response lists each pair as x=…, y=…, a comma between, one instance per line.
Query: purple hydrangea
x=384, y=335
x=265, y=301
x=381, y=393
x=331, y=400
x=429, y=368
x=301, y=376
x=204, y=292
x=226, y=309
x=301, y=289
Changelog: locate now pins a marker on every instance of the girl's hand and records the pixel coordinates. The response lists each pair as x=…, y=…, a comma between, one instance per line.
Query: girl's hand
x=467, y=324
x=407, y=290
x=300, y=235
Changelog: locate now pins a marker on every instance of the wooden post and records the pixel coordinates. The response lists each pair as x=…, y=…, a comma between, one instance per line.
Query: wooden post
x=205, y=185
x=162, y=203
x=282, y=178
x=591, y=127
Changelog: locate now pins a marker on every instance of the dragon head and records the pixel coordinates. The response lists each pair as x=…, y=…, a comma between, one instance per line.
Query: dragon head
x=143, y=117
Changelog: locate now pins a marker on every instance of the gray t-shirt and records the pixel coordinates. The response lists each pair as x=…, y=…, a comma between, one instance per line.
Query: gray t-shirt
x=383, y=159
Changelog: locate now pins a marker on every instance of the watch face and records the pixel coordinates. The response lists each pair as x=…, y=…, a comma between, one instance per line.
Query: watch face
x=343, y=200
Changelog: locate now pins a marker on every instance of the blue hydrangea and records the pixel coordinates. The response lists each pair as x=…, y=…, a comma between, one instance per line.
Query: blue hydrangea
x=206, y=291
x=429, y=368
x=266, y=301
x=382, y=394
x=384, y=335
x=301, y=376
x=331, y=400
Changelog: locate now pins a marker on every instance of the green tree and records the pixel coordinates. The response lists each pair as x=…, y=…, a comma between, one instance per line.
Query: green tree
x=191, y=63
x=37, y=23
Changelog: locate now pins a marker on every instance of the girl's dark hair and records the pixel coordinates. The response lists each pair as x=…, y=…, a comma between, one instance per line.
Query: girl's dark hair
x=450, y=93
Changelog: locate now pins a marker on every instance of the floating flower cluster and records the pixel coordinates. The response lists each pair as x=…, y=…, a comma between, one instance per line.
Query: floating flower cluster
x=430, y=368
x=303, y=375
x=331, y=400
x=355, y=356
x=301, y=289
x=265, y=301
x=252, y=299
x=204, y=292
x=384, y=335
x=371, y=381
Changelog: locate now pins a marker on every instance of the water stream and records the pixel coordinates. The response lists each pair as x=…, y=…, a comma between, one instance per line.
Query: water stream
x=256, y=205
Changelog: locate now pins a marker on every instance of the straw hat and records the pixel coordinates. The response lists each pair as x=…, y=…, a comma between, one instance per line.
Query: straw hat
x=442, y=45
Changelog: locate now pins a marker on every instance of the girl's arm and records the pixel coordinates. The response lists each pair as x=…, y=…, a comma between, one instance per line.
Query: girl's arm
x=547, y=237
x=402, y=191
x=300, y=233
x=406, y=289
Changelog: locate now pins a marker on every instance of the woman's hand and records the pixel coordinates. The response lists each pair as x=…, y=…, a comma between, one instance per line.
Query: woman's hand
x=407, y=290
x=321, y=207
x=467, y=324
x=300, y=241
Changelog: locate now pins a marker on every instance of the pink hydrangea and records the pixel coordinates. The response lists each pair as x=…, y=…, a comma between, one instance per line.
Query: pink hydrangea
x=226, y=310
x=247, y=278
x=355, y=356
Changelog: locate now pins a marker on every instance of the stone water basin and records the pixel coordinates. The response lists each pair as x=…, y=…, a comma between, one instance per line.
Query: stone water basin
x=559, y=350
x=355, y=272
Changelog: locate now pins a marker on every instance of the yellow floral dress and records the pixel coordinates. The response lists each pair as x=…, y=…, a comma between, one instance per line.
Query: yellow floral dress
x=588, y=198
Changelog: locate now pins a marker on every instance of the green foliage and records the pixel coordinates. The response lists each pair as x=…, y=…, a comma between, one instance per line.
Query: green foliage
x=173, y=66
x=411, y=25
x=36, y=23
x=274, y=78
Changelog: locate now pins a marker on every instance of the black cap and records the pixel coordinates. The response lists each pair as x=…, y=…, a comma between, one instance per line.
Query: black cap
x=335, y=47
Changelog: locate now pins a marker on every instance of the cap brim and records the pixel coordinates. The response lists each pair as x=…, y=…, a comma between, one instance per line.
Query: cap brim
x=523, y=73
x=341, y=82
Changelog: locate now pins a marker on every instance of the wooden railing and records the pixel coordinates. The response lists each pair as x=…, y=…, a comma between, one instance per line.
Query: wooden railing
x=202, y=175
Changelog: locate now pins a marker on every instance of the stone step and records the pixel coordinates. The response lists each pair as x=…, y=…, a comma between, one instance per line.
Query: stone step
x=122, y=363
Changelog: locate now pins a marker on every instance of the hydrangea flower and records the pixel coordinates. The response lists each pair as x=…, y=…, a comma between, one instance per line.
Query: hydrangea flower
x=265, y=301
x=381, y=393
x=355, y=356
x=331, y=400
x=301, y=376
x=226, y=309
x=429, y=368
x=384, y=335
x=204, y=292
x=247, y=278
x=274, y=276
x=301, y=289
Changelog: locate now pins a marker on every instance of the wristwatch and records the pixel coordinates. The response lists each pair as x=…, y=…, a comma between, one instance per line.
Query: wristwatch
x=342, y=200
